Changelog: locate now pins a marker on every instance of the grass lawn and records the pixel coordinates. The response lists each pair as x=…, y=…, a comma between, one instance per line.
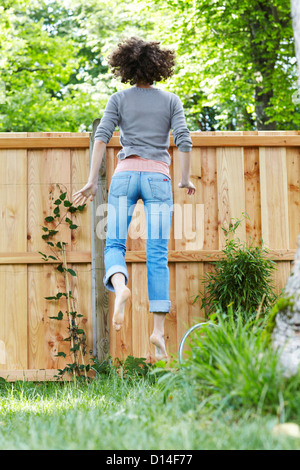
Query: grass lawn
x=112, y=413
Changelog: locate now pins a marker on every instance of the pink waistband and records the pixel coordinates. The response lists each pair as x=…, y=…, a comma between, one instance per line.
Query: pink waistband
x=135, y=163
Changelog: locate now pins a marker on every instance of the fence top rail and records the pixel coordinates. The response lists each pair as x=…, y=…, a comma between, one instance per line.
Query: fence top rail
x=200, y=139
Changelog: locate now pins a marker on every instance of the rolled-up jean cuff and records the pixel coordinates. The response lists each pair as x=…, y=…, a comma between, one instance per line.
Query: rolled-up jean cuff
x=162, y=306
x=117, y=268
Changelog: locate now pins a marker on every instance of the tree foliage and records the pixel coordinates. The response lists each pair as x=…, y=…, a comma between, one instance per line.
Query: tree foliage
x=237, y=62
x=236, y=66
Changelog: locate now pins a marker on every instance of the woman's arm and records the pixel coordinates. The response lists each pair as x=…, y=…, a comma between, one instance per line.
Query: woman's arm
x=185, y=164
x=183, y=141
x=97, y=157
x=102, y=136
x=90, y=189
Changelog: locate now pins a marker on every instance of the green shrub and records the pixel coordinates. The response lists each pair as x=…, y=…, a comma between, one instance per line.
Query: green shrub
x=241, y=278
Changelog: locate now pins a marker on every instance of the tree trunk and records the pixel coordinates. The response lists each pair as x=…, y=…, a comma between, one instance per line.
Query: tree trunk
x=286, y=334
x=262, y=100
x=295, y=6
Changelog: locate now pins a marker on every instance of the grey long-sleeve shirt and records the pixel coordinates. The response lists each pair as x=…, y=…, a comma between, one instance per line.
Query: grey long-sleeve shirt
x=145, y=117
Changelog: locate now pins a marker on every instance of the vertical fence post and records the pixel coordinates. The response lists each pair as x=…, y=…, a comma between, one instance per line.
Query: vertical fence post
x=99, y=293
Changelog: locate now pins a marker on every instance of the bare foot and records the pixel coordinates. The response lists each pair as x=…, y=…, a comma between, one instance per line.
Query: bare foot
x=159, y=345
x=121, y=297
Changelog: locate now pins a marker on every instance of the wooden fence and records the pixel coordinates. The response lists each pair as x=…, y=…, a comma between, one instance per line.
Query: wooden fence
x=234, y=172
x=31, y=166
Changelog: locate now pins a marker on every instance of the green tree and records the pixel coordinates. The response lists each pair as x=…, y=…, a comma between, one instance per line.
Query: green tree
x=53, y=72
x=236, y=59
x=35, y=76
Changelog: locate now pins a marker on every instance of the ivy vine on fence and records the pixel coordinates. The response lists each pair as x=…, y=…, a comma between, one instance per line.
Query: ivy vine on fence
x=63, y=208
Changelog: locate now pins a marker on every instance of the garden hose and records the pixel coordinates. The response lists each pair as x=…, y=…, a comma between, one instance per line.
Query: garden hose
x=195, y=327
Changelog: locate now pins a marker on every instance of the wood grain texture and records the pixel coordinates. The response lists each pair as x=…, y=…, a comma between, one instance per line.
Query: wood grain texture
x=13, y=319
x=293, y=187
x=141, y=319
x=231, y=191
x=274, y=198
x=13, y=278
x=13, y=192
x=30, y=257
x=252, y=194
x=209, y=190
x=203, y=139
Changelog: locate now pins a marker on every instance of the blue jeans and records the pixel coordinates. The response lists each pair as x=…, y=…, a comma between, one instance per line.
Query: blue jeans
x=155, y=189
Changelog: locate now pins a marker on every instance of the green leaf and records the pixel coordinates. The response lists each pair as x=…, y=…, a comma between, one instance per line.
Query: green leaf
x=60, y=268
x=57, y=297
x=59, y=317
x=73, y=226
x=61, y=354
x=67, y=203
x=57, y=202
x=49, y=219
x=62, y=196
x=60, y=294
x=72, y=272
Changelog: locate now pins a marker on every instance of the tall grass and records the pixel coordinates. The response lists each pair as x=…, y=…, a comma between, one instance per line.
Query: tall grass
x=233, y=366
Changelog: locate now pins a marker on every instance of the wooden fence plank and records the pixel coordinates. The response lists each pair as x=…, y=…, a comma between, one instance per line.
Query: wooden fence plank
x=275, y=205
x=293, y=186
x=202, y=139
x=231, y=139
x=274, y=198
x=13, y=189
x=141, y=319
x=209, y=197
x=13, y=279
x=252, y=194
x=231, y=190
x=13, y=321
x=80, y=168
x=45, y=142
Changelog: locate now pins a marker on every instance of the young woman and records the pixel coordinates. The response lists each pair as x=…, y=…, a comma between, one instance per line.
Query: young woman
x=145, y=115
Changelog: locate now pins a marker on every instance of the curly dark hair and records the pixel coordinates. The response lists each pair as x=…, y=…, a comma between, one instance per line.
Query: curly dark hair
x=138, y=61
